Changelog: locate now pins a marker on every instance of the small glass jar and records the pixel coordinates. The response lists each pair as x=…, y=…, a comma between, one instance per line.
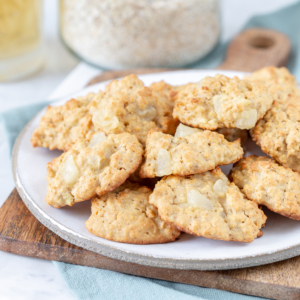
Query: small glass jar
x=139, y=33
x=20, y=38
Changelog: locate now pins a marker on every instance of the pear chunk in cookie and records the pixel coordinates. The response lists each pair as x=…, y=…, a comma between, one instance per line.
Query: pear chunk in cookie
x=126, y=216
x=91, y=167
x=208, y=205
x=219, y=102
x=190, y=151
x=262, y=180
x=126, y=105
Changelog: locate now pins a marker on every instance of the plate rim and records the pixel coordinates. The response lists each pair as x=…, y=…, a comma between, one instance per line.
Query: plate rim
x=147, y=260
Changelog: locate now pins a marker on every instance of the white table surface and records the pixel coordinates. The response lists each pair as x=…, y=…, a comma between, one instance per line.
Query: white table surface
x=32, y=278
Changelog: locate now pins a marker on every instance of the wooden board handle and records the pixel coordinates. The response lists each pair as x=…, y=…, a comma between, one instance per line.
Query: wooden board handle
x=256, y=47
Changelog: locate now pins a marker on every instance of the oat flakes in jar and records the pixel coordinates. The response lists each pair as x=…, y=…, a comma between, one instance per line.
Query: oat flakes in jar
x=139, y=33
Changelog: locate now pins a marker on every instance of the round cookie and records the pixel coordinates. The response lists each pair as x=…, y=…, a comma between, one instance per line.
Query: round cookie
x=267, y=183
x=125, y=215
x=125, y=106
x=279, y=81
x=219, y=102
x=191, y=151
x=62, y=126
x=208, y=205
x=92, y=166
x=128, y=106
x=278, y=133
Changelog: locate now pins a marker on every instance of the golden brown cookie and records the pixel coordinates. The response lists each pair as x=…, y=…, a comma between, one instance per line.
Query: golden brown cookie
x=125, y=215
x=218, y=102
x=89, y=167
x=267, y=183
x=62, y=126
x=278, y=133
x=208, y=205
x=187, y=154
x=279, y=81
x=129, y=106
x=125, y=106
x=166, y=92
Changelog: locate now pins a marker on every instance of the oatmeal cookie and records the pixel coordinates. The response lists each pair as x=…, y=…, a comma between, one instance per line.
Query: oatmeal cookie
x=129, y=106
x=267, y=183
x=233, y=134
x=62, y=126
x=208, y=205
x=125, y=106
x=218, y=102
x=279, y=81
x=165, y=91
x=91, y=167
x=190, y=154
x=278, y=133
x=125, y=215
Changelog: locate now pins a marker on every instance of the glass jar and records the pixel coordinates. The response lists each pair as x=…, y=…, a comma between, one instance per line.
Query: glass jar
x=139, y=33
x=20, y=38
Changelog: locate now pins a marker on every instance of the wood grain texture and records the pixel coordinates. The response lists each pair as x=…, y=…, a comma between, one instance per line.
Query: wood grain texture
x=21, y=233
x=255, y=48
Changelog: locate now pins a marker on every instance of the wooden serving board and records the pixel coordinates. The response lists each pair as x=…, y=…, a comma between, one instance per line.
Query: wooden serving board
x=21, y=233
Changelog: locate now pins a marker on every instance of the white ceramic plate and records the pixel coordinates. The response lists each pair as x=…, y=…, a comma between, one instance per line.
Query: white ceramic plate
x=280, y=239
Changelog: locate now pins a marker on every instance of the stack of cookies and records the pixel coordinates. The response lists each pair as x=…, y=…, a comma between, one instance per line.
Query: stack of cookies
x=148, y=157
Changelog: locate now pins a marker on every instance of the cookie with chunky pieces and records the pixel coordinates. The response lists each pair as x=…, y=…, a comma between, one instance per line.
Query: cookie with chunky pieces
x=278, y=133
x=128, y=106
x=125, y=215
x=125, y=106
x=166, y=92
x=187, y=154
x=279, y=81
x=91, y=167
x=267, y=183
x=208, y=205
x=218, y=102
x=62, y=126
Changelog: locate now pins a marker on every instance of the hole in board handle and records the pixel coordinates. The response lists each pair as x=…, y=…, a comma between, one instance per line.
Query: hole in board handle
x=261, y=42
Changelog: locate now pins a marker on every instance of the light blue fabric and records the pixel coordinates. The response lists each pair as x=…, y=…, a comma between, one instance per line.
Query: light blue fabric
x=15, y=119
x=286, y=21
x=90, y=283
